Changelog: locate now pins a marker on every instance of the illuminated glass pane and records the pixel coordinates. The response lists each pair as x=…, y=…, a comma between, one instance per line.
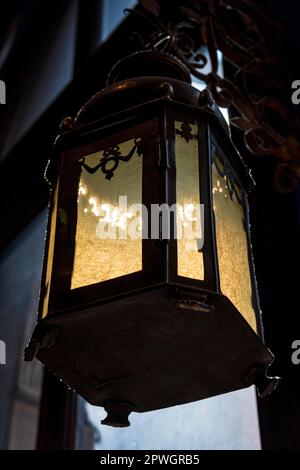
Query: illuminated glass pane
x=189, y=258
x=50, y=252
x=232, y=246
x=108, y=234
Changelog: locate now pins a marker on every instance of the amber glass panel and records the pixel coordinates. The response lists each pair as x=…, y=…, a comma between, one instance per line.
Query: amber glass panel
x=232, y=246
x=104, y=249
x=50, y=251
x=189, y=258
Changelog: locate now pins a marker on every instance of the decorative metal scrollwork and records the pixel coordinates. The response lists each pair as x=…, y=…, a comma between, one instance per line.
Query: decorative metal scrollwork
x=224, y=170
x=111, y=159
x=246, y=36
x=185, y=131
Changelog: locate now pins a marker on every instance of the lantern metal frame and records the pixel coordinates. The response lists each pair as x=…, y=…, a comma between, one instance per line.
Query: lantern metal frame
x=90, y=137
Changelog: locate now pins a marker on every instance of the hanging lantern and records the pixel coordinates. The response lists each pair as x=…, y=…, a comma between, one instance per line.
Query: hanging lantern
x=148, y=295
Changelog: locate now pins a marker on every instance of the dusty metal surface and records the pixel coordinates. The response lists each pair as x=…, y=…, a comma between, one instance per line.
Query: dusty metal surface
x=152, y=350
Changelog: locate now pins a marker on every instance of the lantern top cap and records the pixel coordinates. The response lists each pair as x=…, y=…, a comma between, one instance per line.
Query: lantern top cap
x=133, y=92
x=148, y=63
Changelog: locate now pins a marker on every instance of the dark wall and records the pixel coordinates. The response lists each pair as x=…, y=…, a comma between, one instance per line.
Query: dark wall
x=276, y=238
x=20, y=275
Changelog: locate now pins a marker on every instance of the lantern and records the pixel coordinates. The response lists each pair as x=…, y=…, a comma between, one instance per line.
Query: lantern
x=137, y=313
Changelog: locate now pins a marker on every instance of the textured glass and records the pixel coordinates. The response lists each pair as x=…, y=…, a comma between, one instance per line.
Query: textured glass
x=232, y=246
x=189, y=259
x=52, y=231
x=104, y=250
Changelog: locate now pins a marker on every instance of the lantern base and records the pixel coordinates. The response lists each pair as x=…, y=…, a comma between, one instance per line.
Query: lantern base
x=153, y=350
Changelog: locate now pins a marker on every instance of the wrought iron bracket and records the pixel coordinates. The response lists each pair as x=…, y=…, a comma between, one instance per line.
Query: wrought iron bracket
x=195, y=32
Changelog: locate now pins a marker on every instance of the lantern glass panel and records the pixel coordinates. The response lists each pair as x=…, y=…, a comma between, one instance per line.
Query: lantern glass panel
x=51, y=244
x=189, y=258
x=232, y=241
x=108, y=241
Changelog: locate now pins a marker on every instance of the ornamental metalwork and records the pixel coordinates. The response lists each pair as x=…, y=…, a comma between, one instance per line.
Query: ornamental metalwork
x=111, y=158
x=259, y=88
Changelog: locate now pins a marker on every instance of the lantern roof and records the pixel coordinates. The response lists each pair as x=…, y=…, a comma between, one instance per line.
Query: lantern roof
x=145, y=80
